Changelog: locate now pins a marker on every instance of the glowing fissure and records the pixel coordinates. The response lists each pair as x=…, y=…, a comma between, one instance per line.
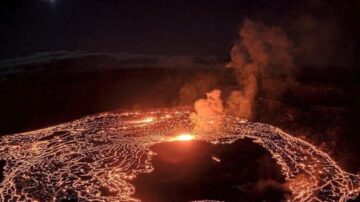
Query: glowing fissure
x=106, y=151
x=183, y=137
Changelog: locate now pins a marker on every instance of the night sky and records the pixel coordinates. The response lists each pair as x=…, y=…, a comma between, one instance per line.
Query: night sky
x=202, y=27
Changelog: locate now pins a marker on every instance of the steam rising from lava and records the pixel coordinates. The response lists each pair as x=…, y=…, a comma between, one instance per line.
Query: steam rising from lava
x=209, y=112
x=262, y=59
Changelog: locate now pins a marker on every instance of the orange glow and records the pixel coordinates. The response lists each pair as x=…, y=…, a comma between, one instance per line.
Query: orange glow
x=309, y=173
x=216, y=159
x=147, y=120
x=183, y=137
x=166, y=116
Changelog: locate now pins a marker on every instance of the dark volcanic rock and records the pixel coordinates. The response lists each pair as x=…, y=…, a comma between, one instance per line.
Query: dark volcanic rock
x=186, y=171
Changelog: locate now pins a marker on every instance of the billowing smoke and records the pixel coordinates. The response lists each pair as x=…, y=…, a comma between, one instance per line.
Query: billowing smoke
x=208, y=115
x=263, y=61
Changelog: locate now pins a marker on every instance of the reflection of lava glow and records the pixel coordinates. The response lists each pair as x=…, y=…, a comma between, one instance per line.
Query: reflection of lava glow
x=183, y=137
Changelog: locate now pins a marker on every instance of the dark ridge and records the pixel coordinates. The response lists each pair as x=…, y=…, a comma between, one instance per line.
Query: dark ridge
x=185, y=171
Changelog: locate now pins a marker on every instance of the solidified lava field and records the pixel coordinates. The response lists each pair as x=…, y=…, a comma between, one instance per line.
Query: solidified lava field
x=96, y=158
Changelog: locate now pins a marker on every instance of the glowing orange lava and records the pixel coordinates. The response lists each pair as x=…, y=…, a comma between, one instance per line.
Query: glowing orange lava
x=310, y=174
x=183, y=137
x=147, y=120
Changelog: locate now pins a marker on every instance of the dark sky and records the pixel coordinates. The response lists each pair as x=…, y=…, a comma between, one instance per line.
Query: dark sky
x=201, y=27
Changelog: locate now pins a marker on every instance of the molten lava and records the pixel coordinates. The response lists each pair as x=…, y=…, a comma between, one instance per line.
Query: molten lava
x=183, y=137
x=147, y=120
x=107, y=151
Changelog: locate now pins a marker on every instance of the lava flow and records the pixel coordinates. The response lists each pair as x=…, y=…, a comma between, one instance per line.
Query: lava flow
x=97, y=157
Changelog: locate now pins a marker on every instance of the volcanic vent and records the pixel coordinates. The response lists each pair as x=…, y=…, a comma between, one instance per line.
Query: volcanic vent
x=97, y=157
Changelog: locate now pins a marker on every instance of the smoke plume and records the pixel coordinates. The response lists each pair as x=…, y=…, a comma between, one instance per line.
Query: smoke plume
x=209, y=112
x=263, y=61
